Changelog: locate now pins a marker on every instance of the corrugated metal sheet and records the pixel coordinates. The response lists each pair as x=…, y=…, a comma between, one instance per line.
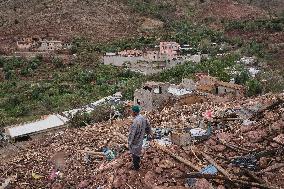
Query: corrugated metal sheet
x=49, y=122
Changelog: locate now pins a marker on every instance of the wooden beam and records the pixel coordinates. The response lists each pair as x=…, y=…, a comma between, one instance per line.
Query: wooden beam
x=177, y=157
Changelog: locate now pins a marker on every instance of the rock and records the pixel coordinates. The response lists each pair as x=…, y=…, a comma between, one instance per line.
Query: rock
x=57, y=186
x=277, y=126
x=161, y=180
x=83, y=184
x=118, y=182
x=176, y=187
x=221, y=187
x=202, y=184
x=279, y=139
x=263, y=162
x=274, y=144
x=149, y=179
x=245, y=128
x=169, y=187
x=156, y=160
x=158, y=170
x=226, y=137
x=166, y=164
x=232, y=154
x=256, y=136
x=177, y=173
x=219, y=148
x=210, y=142
x=150, y=24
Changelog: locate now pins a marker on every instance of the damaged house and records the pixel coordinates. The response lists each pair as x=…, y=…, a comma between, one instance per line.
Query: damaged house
x=212, y=85
x=152, y=95
x=156, y=95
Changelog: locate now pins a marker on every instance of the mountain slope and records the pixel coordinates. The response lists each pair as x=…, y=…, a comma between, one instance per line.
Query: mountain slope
x=100, y=20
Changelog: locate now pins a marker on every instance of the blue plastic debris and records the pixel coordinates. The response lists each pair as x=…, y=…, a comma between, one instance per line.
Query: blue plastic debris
x=109, y=154
x=210, y=169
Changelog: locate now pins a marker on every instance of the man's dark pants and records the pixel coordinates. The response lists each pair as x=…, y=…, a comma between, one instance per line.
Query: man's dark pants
x=136, y=161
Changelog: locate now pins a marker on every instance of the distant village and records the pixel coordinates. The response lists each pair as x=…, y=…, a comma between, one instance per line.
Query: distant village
x=165, y=55
x=30, y=47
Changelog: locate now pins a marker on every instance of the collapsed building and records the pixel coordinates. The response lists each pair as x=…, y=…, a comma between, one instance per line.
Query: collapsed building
x=152, y=95
x=243, y=150
x=155, y=95
x=212, y=85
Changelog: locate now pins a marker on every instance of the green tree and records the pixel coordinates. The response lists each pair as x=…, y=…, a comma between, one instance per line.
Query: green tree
x=254, y=87
x=242, y=78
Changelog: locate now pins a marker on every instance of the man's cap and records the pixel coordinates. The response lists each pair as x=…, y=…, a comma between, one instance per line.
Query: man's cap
x=135, y=109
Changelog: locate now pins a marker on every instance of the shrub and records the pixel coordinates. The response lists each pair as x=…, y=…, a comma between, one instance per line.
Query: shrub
x=57, y=62
x=100, y=113
x=254, y=87
x=80, y=119
x=242, y=78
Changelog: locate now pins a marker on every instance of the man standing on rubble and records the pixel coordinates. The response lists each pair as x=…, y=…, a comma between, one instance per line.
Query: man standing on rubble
x=137, y=131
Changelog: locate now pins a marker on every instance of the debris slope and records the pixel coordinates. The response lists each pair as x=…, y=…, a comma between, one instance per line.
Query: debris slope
x=245, y=145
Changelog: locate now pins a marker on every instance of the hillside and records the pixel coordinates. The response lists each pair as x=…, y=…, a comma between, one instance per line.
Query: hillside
x=233, y=123
x=65, y=19
x=105, y=20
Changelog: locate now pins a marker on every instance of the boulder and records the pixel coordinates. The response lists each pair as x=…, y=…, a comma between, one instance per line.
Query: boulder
x=277, y=126
x=221, y=187
x=118, y=182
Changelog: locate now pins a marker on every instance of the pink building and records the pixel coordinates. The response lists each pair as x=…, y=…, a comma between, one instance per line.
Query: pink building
x=170, y=49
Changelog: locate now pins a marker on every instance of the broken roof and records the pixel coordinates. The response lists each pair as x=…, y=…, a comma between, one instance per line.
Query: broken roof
x=230, y=85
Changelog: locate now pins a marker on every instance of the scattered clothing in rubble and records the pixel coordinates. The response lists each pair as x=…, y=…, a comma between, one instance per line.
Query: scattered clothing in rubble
x=249, y=162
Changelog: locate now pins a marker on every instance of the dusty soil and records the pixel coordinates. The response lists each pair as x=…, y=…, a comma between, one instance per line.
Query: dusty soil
x=230, y=10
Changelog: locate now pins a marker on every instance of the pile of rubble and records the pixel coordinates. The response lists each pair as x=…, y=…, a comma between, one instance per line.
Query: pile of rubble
x=244, y=148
